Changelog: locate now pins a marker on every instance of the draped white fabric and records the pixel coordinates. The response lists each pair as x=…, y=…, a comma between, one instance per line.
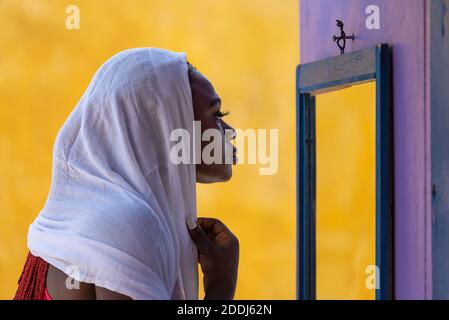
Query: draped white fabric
x=115, y=214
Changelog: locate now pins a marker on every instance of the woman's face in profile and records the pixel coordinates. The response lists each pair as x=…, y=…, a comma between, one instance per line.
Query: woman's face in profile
x=207, y=110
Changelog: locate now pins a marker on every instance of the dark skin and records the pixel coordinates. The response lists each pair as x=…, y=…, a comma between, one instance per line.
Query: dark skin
x=218, y=247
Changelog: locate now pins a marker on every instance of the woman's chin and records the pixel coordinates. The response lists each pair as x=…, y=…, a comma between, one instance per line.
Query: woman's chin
x=214, y=174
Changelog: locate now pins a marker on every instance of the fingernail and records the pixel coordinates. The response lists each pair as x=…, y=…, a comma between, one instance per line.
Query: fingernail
x=191, y=222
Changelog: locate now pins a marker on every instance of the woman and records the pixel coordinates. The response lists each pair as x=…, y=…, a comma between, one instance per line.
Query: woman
x=120, y=217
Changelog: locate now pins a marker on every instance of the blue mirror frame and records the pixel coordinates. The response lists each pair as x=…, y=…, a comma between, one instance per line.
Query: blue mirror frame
x=336, y=73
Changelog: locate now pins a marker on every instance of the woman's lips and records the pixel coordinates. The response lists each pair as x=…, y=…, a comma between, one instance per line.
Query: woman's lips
x=234, y=152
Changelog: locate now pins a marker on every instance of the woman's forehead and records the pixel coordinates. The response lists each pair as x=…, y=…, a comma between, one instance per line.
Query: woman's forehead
x=203, y=82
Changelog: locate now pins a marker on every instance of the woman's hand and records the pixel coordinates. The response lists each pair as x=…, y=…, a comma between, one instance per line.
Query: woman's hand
x=218, y=255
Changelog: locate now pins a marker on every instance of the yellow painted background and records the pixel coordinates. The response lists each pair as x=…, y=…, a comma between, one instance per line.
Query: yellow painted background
x=249, y=50
x=346, y=204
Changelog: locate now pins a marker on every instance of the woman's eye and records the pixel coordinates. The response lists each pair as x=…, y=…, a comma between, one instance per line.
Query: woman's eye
x=220, y=114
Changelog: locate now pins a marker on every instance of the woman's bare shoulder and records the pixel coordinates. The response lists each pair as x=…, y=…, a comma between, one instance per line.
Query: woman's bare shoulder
x=61, y=287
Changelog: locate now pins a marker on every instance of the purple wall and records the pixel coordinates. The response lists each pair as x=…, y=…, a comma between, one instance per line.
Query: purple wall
x=404, y=25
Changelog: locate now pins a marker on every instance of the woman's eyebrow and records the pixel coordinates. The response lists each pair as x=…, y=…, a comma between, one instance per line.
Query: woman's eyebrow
x=215, y=101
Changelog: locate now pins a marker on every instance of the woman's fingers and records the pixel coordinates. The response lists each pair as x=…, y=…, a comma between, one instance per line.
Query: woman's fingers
x=217, y=231
x=218, y=256
x=199, y=237
x=212, y=226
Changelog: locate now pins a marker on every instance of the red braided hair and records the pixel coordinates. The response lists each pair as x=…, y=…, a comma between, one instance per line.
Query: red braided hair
x=32, y=281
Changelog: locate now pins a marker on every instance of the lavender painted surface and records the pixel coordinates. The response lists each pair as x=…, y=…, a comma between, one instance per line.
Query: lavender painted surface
x=404, y=25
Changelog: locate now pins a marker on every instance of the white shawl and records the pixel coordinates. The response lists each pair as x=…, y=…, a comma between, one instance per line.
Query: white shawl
x=115, y=214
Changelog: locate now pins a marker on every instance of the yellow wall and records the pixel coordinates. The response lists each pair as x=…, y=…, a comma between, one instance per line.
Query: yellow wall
x=345, y=192
x=248, y=49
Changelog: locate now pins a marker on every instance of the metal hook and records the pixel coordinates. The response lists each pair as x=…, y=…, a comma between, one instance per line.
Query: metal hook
x=341, y=40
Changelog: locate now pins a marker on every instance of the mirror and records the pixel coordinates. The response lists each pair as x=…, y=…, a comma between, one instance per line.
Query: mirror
x=345, y=190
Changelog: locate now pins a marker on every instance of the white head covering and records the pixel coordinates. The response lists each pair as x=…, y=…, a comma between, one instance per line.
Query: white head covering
x=115, y=215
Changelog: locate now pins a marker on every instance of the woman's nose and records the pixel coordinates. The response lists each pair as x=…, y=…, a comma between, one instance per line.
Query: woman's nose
x=228, y=127
x=230, y=131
